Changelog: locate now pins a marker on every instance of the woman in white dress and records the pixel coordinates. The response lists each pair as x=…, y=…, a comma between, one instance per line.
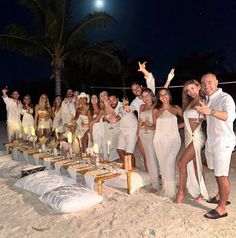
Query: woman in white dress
x=27, y=112
x=42, y=118
x=83, y=118
x=57, y=125
x=167, y=140
x=190, y=164
x=146, y=129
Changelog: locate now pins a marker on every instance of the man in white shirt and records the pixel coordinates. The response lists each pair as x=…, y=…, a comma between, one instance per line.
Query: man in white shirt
x=220, y=114
x=14, y=110
x=68, y=108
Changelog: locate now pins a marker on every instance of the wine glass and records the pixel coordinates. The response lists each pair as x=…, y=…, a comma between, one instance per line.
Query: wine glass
x=198, y=121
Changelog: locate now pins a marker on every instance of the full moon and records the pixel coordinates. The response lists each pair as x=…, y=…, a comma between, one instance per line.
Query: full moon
x=99, y=3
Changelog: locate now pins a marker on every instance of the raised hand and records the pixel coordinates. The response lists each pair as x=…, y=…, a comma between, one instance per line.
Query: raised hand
x=4, y=91
x=142, y=67
x=171, y=75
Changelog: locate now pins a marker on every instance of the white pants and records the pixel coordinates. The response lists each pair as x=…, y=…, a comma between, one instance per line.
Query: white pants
x=13, y=130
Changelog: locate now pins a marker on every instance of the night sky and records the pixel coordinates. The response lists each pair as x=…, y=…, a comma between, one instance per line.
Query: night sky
x=165, y=31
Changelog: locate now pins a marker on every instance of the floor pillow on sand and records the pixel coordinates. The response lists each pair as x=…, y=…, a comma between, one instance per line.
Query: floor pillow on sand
x=71, y=198
x=7, y=165
x=42, y=182
x=138, y=180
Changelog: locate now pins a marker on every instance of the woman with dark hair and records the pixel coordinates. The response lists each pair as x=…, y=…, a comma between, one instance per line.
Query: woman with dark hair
x=57, y=125
x=27, y=112
x=190, y=164
x=166, y=140
x=146, y=129
x=94, y=111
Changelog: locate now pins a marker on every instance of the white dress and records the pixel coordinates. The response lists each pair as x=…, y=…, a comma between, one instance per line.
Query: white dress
x=195, y=186
x=27, y=120
x=147, y=141
x=167, y=143
x=57, y=122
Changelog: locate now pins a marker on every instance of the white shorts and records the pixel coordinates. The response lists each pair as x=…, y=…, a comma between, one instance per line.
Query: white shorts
x=219, y=161
x=127, y=142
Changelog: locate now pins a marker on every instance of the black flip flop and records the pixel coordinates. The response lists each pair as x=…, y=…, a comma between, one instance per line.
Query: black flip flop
x=215, y=201
x=213, y=214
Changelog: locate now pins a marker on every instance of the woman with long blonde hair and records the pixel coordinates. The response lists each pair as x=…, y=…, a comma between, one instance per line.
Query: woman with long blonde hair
x=190, y=164
x=43, y=114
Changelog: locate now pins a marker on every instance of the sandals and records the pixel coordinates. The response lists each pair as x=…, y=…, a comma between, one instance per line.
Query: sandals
x=213, y=214
x=215, y=201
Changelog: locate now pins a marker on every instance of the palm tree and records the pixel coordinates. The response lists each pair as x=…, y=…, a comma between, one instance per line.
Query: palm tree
x=55, y=36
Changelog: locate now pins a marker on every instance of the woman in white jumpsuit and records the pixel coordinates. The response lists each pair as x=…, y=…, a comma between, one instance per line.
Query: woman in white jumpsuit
x=167, y=140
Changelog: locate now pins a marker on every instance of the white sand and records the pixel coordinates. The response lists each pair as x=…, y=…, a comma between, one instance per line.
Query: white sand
x=120, y=215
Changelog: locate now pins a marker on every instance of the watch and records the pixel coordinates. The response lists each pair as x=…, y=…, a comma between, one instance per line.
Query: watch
x=213, y=112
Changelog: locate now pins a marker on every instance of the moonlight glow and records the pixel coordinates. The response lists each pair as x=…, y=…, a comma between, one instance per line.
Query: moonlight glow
x=99, y=3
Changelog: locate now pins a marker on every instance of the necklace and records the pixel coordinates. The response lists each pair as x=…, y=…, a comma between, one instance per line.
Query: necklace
x=166, y=108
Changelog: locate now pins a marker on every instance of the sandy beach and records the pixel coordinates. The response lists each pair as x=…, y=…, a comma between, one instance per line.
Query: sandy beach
x=140, y=214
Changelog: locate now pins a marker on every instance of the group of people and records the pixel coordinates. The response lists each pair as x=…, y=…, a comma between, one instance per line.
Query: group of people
x=152, y=122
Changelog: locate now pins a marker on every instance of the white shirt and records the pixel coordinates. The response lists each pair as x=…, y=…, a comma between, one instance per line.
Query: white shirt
x=67, y=110
x=219, y=131
x=137, y=102
x=14, y=110
x=128, y=122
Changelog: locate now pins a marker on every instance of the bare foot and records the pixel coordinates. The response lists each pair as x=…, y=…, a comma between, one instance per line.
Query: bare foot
x=198, y=199
x=152, y=190
x=179, y=198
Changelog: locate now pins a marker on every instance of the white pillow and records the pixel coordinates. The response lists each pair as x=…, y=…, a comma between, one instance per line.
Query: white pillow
x=7, y=165
x=42, y=182
x=71, y=198
x=138, y=179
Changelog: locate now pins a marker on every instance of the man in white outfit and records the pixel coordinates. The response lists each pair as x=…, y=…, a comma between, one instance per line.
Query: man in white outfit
x=68, y=108
x=14, y=110
x=220, y=114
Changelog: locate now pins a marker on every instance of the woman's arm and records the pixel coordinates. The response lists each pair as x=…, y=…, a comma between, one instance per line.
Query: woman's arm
x=169, y=78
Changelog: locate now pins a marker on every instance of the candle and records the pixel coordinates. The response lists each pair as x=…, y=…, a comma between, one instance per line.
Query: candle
x=80, y=144
x=26, y=131
x=96, y=149
x=56, y=133
x=69, y=137
x=32, y=131
x=42, y=127
x=108, y=147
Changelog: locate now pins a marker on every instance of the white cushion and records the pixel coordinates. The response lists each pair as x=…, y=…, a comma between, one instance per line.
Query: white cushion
x=138, y=180
x=42, y=182
x=71, y=198
x=7, y=165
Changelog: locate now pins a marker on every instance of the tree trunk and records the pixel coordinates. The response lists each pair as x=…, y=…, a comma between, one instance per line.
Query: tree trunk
x=57, y=73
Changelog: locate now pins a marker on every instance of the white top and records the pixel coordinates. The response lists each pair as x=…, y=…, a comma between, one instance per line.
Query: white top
x=67, y=110
x=219, y=131
x=137, y=102
x=128, y=122
x=13, y=110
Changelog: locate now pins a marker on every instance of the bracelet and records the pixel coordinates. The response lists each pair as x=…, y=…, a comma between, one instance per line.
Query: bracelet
x=213, y=112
